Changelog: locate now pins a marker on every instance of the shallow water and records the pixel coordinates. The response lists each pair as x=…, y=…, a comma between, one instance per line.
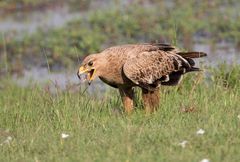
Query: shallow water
x=30, y=23
x=52, y=17
x=221, y=53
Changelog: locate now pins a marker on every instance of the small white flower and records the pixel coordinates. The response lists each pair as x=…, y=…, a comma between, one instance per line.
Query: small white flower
x=9, y=138
x=183, y=143
x=7, y=141
x=200, y=132
x=205, y=160
x=238, y=116
x=64, y=135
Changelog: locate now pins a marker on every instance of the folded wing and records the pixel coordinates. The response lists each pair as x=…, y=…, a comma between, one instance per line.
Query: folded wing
x=153, y=68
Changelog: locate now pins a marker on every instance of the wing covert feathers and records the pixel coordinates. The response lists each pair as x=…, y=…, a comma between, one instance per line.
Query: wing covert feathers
x=151, y=68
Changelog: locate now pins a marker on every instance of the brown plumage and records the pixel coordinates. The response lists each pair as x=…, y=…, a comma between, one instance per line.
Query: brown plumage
x=140, y=65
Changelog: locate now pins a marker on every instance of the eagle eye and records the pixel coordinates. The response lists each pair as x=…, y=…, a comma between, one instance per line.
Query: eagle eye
x=90, y=63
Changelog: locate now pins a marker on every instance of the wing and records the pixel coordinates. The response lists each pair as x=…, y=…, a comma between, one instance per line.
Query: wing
x=149, y=69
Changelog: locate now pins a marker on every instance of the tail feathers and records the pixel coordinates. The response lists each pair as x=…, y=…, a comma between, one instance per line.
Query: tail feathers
x=187, y=65
x=175, y=77
x=192, y=54
x=192, y=69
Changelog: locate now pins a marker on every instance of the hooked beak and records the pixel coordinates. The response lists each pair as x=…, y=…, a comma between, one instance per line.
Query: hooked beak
x=90, y=73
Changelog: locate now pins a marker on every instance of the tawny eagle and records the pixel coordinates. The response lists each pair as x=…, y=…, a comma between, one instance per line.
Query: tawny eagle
x=139, y=65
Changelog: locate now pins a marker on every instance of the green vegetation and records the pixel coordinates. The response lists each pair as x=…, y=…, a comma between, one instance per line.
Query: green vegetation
x=97, y=131
x=228, y=75
x=156, y=20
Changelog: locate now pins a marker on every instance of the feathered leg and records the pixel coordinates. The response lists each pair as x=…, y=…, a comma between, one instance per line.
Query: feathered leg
x=151, y=100
x=127, y=95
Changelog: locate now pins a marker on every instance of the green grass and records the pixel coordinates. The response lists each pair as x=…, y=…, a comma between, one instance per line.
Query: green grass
x=35, y=120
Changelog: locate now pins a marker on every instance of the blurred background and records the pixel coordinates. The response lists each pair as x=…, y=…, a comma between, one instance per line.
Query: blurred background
x=46, y=40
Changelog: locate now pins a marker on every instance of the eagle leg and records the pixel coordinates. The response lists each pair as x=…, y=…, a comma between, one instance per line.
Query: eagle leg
x=127, y=95
x=151, y=100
